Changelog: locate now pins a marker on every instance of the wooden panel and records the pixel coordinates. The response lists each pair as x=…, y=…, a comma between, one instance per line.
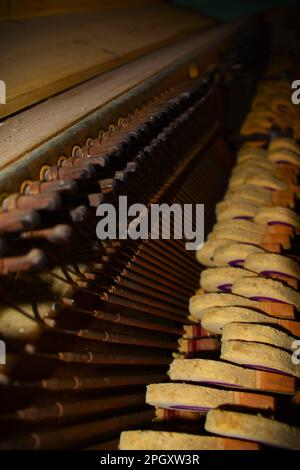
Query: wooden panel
x=22, y=133
x=42, y=56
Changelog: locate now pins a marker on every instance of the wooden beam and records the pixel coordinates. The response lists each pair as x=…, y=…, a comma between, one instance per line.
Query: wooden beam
x=22, y=136
x=43, y=56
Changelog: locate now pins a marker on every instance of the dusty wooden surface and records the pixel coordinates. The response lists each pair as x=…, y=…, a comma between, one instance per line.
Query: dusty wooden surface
x=27, y=130
x=42, y=56
x=15, y=9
